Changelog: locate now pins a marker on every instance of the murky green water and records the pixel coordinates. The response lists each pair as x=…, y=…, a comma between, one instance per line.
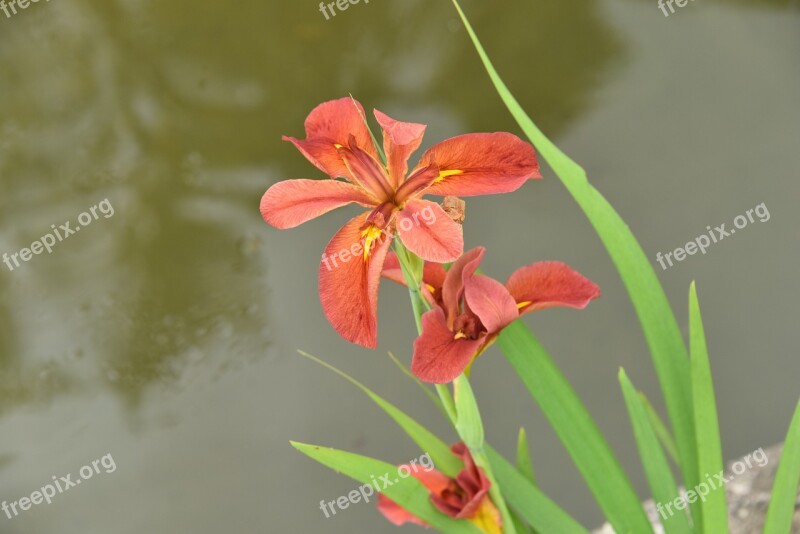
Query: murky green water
x=164, y=335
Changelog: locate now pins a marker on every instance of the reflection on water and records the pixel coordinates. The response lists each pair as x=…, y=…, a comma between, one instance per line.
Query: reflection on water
x=133, y=101
x=173, y=111
x=173, y=274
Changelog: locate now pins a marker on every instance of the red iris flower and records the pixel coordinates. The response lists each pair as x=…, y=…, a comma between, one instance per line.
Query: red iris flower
x=463, y=497
x=338, y=142
x=470, y=310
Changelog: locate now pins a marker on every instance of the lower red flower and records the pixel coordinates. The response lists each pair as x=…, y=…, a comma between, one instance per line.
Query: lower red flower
x=469, y=310
x=464, y=497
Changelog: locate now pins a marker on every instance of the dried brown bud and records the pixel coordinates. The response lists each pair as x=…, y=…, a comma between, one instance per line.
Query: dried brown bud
x=455, y=208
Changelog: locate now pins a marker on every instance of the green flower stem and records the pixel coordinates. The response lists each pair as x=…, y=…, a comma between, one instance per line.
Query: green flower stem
x=412, y=267
x=471, y=432
x=470, y=429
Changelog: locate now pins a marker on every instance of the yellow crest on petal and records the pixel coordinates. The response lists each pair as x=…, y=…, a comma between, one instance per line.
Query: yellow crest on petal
x=370, y=235
x=445, y=174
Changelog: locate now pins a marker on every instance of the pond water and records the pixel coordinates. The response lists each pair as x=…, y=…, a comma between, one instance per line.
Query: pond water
x=163, y=335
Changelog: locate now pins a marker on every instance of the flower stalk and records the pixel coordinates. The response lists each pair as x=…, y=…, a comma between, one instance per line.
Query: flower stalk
x=463, y=410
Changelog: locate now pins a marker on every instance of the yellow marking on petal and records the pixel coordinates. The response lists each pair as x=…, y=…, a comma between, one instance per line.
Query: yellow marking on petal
x=370, y=236
x=337, y=146
x=430, y=288
x=525, y=304
x=460, y=335
x=445, y=174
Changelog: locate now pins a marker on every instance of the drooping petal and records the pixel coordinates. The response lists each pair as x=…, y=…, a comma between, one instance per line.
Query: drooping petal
x=550, y=283
x=331, y=124
x=392, y=270
x=293, y=202
x=453, y=288
x=491, y=302
x=481, y=164
x=400, y=140
x=438, y=356
x=349, y=275
x=323, y=154
x=427, y=231
x=396, y=514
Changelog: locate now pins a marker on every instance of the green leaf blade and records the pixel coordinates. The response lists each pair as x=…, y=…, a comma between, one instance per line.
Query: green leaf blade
x=444, y=459
x=787, y=479
x=577, y=430
x=714, y=508
x=524, y=462
x=531, y=503
x=650, y=302
x=664, y=436
x=468, y=422
x=656, y=466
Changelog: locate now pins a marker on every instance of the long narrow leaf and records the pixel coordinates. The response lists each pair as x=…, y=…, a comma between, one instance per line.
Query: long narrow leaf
x=787, y=480
x=529, y=501
x=440, y=453
x=519, y=524
x=577, y=430
x=713, y=509
x=655, y=314
x=406, y=371
x=656, y=466
x=409, y=493
x=524, y=463
x=658, y=425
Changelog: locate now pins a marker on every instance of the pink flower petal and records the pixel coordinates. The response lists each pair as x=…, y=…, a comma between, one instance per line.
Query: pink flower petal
x=481, y=164
x=392, y=270
x=330, y=124
x=400, y=140
x=453, y=288
x=366, y=171
x=491, y=302
x=550, y=283
x=395, y=513
x=293, y=202
x=438, y=356
x=472, y=480
x=348, y=283
x=416, y=184
x=427, y=231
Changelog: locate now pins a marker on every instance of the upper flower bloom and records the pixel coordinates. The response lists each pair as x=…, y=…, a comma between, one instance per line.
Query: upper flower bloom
x=338, y=142
x=469, y=310
x=463, y=497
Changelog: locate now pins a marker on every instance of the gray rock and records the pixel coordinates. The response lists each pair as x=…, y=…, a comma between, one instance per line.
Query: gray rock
x=748, y=498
